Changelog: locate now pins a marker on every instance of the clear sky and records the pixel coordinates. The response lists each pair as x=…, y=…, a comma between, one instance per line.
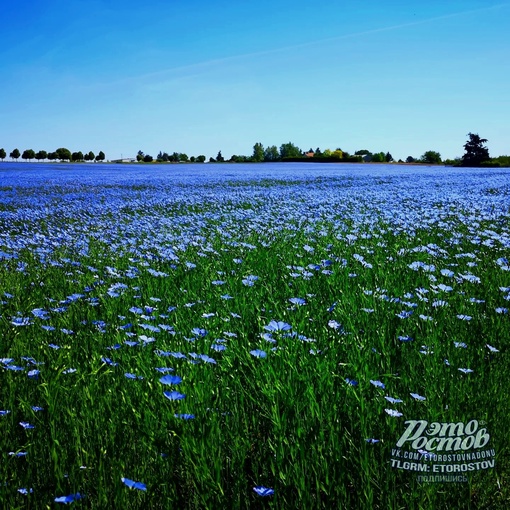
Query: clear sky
x=199, y=76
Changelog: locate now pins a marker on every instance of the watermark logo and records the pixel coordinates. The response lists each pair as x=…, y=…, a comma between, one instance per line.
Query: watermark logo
x=443, y=452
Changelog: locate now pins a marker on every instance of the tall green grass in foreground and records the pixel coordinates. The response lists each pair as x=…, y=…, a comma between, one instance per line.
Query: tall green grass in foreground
x=297, y=420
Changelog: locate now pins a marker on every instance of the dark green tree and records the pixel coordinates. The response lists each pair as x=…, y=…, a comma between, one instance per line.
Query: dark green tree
x=431, y=158
x=388, y=158
x=63, y=154
x=147, y=158
x=476, y=151
x=101, y=156
x=3, y=154
x=41, y=155
x=52, y=156
x=28, y=154
x=15, y=154
x=410, y=159
x=378, y=157
x=258, y=153
x=183, y=157
x=220, y=158
x=271, y=153
x=289, y=150
x=140, y=156
x=201, y=158
x=77, y=156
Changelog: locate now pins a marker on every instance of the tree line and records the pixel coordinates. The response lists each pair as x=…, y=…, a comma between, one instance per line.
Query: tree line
x=476, y=153
x=61, y=154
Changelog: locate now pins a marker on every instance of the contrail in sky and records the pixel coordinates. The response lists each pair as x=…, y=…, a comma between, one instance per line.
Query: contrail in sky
x=232, y=58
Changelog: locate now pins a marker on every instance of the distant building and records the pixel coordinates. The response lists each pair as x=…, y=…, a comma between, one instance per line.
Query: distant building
x=310, y=154
x=123, y=160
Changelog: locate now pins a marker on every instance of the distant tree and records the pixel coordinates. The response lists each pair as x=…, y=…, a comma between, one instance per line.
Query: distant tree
x=89, y=156
x=388, y=157
x=163, y=156
x=63, y=154
x=410, y=159
x=318, y=152
x=77, y=156
x=192, y=159
x=212, y=160
x=52, y=156
x=271, y=153
x=101, y=156
x=362, y=152
x=453, y=162
x=431, y=158
x=28, y=154
x=338, y=153
x=327, y=153
x=140, y=156
x=41, y=155
x=476, y=151
x=183, y=157
x=220, y=158
x=289, y=150
x=146, y=159
x=3, y=154
x=378, y=157
x=15, y=154
x=201, y=158
x=240, y=159
x=258, y=153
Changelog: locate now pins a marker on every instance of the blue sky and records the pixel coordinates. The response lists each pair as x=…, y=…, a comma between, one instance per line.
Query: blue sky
x=197, y=77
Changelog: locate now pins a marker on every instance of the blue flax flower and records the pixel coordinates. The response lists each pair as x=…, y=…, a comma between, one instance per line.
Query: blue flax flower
x=108, y=361
x=174, y=395
x=277, y=326
x=134, y=485
x=393, y=400
x=207, y=359
x=185, y=416
x=258, y=353
x=170, y=379
x=68, y=499
x=263, y=491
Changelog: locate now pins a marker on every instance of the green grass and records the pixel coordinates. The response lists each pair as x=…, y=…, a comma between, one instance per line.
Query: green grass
x=288, y=421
